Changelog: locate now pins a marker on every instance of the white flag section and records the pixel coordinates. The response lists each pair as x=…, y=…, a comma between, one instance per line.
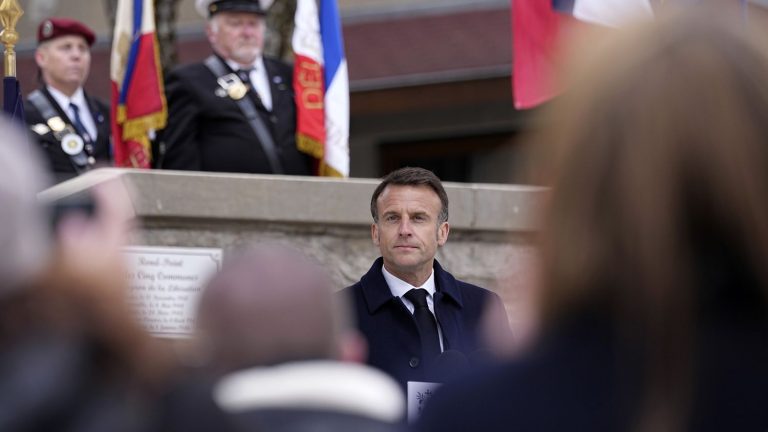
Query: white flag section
x=612, y=13
x=322, y=86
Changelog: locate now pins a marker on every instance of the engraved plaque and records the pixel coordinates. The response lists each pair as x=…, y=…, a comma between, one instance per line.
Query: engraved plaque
x=166, y=283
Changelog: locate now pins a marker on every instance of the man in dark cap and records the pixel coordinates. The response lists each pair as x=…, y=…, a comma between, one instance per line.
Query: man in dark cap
x=234, y=112
x=71, y=127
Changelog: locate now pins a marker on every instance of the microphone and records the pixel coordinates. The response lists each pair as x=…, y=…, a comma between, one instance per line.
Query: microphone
x=448, y=365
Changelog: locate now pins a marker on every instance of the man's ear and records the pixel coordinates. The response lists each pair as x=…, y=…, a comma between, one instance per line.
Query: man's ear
x=209, y=33
x=375, y=234
x=39, y=57
x=442, y=233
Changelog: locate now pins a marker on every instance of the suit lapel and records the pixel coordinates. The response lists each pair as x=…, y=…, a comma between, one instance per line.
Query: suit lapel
x=448, y=304
x=278, y=85
x=59, y=109
x=375, y=289
x=102, y=125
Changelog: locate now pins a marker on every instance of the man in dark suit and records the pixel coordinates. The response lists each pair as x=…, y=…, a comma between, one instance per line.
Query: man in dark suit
x=234, y=112
x=71, y=127
x=399, y=298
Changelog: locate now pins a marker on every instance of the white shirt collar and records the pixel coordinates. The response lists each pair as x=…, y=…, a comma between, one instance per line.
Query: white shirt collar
x=78, y=98
x=257, y=65
x=399, y=287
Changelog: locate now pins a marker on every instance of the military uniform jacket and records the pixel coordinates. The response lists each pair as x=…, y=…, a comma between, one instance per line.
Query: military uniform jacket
x=391, y=331
x=61, y=163
x=207, y=131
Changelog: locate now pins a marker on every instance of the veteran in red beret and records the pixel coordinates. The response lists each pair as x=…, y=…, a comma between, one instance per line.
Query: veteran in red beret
x=71, y=127
x=234, y=112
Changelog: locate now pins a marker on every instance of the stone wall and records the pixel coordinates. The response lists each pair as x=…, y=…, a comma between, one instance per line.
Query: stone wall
x=492, y=226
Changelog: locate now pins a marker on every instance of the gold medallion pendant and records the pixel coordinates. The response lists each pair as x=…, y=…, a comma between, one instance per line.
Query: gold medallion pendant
x=237, y=90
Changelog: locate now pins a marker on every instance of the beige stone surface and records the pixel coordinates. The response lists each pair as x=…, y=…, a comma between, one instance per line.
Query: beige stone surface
x=490, y=242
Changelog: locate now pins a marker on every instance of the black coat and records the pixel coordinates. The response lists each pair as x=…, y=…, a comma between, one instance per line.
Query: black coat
x=61, y=164
x=574, y=380
x=391, y=331
x=209, y=132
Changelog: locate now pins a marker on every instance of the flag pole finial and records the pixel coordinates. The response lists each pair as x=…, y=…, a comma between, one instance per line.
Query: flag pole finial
x=10, y=12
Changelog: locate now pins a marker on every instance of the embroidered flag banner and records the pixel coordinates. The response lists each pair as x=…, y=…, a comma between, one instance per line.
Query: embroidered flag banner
x=321, y=84
x=138, y=96
x=13, y=102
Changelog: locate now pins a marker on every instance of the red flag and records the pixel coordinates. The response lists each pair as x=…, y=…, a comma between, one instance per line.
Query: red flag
x=138, y=97
x=536, y=30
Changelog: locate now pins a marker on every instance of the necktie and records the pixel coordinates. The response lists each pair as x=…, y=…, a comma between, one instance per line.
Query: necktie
x=245, y=77
x=78, y=123
x=425, y=321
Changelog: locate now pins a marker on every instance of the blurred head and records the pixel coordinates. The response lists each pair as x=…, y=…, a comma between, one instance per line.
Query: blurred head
x=659, y=163
x=24, y=230
x=658, y=219
x=270, y=305
x=64, y=53
x=237, y=35
x=410, y=214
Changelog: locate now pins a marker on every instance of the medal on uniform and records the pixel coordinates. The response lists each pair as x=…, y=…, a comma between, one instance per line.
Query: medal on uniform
x=72, y=144
x=56, y=124
x=237, y=90
x=233, y=87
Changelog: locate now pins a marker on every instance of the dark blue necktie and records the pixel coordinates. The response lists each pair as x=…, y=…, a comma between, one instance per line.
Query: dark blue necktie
x=245, y=77
x=78, y=123
x=425, y=321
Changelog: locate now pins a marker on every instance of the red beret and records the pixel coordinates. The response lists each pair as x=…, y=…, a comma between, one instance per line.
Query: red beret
x=57, y=27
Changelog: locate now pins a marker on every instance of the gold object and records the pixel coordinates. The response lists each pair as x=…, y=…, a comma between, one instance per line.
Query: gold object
x=10, y=12
x=56, y=124
x=237, y=91
x=234, y=87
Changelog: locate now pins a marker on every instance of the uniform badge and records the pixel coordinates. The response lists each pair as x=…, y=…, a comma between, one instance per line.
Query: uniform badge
x=72, y=144
x=47, y=29
x=232, y=85
x=56, y=124
x=40, y=129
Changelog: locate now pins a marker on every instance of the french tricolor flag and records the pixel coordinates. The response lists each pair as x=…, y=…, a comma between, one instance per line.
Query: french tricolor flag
x=138, y=95
x=611, y=13
x=538, y=30
x=321, y=84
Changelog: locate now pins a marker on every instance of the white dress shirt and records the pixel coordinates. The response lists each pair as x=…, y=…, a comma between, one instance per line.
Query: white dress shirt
x=399, y=287
x=259, y=79
x=78, y=99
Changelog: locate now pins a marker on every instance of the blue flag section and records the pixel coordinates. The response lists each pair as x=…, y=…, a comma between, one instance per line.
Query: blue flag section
x=13, y=102
x=565, y=6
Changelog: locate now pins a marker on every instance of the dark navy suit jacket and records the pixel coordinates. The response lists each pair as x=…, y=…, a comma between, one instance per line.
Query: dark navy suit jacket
x=393, y=338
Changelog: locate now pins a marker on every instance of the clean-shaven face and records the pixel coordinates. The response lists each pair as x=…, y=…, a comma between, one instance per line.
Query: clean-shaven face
x=408, y=232
x=64, y=62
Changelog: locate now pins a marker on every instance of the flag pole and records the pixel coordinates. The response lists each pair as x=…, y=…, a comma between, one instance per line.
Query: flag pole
x=10, y=12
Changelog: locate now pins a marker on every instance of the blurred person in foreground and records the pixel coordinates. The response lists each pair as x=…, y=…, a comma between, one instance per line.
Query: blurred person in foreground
x=284, y=352
x=655, y=240
x=72, y=356
x=71, y=127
